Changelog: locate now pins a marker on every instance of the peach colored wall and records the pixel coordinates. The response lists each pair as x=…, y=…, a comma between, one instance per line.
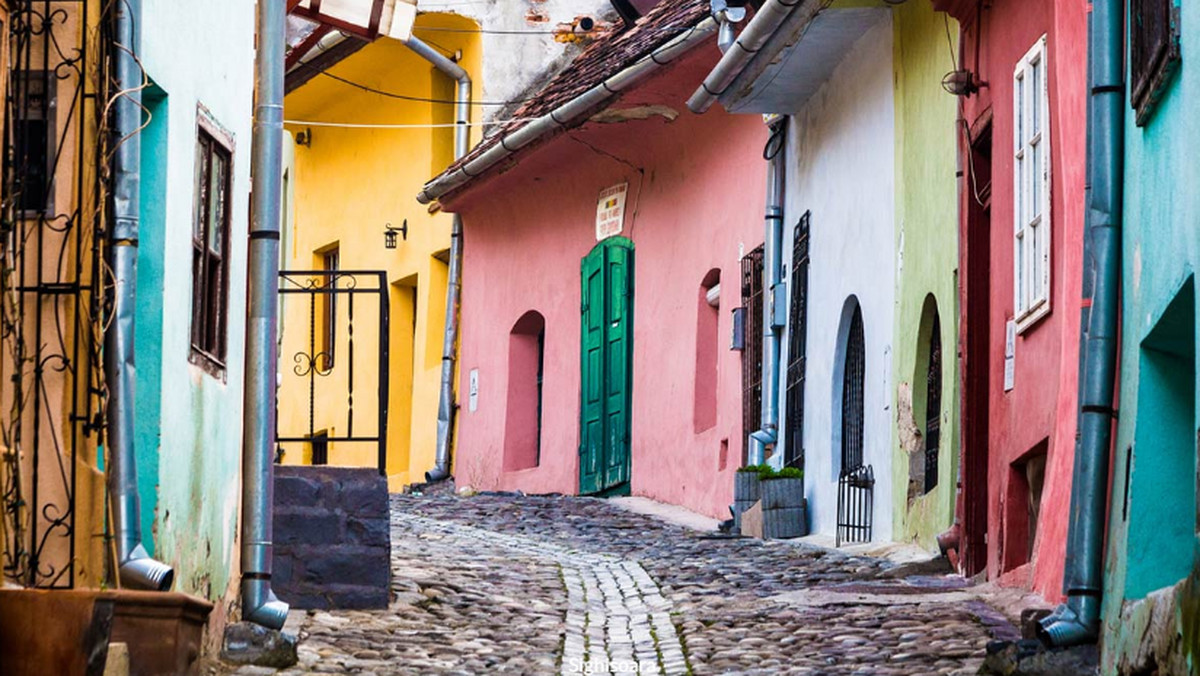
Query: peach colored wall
x=695, y=203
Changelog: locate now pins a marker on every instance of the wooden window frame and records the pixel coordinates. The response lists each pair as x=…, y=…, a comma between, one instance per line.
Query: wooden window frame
x=1148, y=79
x=210, y=267
x=1032, y=233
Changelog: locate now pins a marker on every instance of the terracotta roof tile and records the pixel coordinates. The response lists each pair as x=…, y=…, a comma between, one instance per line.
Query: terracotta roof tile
x=607, y=55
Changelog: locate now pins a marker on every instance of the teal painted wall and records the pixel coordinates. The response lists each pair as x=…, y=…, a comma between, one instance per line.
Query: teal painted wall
x=203, y=56
x=926, y=242
x=148, y=329
x=1161, y=248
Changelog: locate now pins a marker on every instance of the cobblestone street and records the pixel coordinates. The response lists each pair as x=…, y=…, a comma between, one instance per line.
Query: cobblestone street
x=539, y=585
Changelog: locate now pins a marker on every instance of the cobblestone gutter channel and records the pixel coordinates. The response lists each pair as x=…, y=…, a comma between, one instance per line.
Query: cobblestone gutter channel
x=543, y=585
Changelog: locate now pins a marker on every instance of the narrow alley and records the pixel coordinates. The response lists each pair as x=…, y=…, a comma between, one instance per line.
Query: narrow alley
x=529, y=585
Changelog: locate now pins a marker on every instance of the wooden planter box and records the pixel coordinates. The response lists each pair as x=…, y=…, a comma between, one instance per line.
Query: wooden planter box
x=745, y=494
x=783, y=508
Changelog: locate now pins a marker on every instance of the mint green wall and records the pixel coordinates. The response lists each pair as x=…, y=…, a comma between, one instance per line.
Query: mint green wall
x=927, y=236
x=148, y=327
x=1161, y=248
x=203, y=56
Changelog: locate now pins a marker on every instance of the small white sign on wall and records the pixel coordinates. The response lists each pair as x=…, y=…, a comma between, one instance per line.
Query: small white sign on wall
x=1010, y=354
x=473, y=391
x=610, y=211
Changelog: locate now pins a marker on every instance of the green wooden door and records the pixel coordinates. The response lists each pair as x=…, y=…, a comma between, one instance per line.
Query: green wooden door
x=607, y=357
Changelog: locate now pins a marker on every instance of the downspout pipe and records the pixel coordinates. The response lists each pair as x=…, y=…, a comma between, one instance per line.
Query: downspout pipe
x=768, y=434
x=259, y=603
x=726, y=17
x=462, y=142
x=570, y=113
x=135, y=568
x=1078, y=620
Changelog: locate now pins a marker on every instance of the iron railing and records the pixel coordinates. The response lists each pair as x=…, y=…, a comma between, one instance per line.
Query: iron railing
x=54, y=181
x=752, y=301
x=797, y=345
x=856, y=481
x=313, y=365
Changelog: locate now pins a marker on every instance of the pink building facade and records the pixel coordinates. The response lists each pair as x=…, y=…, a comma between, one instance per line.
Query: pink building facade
x=1021, y=241
x=693, y=208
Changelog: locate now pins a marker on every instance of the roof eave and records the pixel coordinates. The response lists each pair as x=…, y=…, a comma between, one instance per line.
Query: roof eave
x=571, y=113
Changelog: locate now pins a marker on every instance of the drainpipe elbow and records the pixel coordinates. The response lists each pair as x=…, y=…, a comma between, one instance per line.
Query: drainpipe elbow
x=1075, y=622
x=436, y=474
x=138, y=571
x=261, y=606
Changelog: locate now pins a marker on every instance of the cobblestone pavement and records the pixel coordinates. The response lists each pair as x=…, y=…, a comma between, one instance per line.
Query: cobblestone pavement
x=543, y=585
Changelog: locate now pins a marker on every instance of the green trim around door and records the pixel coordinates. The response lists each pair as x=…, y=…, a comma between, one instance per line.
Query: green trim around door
x=606, y=382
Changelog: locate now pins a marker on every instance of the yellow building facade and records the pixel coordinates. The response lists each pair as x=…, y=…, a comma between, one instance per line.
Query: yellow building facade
x=366, y=135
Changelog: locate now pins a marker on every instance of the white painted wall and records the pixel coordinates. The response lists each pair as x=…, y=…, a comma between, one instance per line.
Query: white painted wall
x=841, y=167
x=512, y=63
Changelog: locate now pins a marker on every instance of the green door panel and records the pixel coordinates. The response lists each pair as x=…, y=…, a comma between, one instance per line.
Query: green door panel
x=607, y=321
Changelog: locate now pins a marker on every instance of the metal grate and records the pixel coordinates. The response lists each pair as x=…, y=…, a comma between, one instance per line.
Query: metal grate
x=53, y=309
x=313, y=366
x=856, y=482
x=797, y=345
x=1153, y=51
x=933, y=406
x=752, y=300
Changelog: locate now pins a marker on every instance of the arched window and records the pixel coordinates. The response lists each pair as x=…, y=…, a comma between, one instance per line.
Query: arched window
x=853, y=384
x=933, y=404
x=523, y=411
x=707, y=315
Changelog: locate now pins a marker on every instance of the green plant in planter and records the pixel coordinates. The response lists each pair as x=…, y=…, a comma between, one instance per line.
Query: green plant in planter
x=754, y=468
x=785, y=473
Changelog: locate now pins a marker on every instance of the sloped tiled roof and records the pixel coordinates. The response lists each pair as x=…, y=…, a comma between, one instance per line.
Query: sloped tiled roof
x=609, y=54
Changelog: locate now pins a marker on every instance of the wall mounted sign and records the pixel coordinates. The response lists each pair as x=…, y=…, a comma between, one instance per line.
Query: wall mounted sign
x=610, y=211
x=473, y=391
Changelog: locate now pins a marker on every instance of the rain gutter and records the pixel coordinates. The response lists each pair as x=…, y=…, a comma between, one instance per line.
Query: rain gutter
x=573, y=112
x=135, y=568
x=259, y=603
x=1078, y=620
x=766, y=22
x=462, y=142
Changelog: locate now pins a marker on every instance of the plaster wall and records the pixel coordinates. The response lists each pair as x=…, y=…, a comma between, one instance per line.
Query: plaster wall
x=926, y=265
x=197, y=434
x=696, y=188
x=1040, y=410
x=1161, y=250
x=350, y=184
x=841, y=167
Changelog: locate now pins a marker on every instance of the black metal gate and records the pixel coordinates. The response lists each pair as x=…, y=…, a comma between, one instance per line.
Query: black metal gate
x=51, y=240
x=797, y=345
x=856, y=481
x=933, y=406
x=752, y=301
x=322, y=293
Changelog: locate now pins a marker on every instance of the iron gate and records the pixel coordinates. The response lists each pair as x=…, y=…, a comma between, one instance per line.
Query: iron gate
x=856, y=481
x=797, y=345
x=315, y=374
x=752, y=301
x=933, y=406
x=51, y=241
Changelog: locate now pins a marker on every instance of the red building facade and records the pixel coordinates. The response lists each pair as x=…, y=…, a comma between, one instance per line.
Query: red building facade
x=1022, y=158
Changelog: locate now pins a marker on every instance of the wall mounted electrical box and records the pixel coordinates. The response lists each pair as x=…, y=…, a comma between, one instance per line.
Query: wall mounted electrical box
x=739, y=329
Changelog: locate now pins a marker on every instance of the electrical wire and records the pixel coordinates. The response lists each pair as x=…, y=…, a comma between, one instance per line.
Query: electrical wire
x=420, y=99
x=442, y=125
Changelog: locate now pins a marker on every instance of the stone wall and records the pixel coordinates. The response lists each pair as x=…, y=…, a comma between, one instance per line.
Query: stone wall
x=332, y=540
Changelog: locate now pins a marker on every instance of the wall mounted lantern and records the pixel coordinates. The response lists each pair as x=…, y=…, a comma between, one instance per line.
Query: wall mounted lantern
x=389, y=235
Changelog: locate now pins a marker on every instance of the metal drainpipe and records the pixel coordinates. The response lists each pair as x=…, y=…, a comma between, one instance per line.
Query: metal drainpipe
x=259, y=604
x=135, y=568
x=768, y=434
x=726, y=17
x=1078, y=620
x=462, y=141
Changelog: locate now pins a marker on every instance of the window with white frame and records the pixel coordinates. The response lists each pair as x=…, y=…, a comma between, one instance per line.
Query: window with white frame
x=1031, y=187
